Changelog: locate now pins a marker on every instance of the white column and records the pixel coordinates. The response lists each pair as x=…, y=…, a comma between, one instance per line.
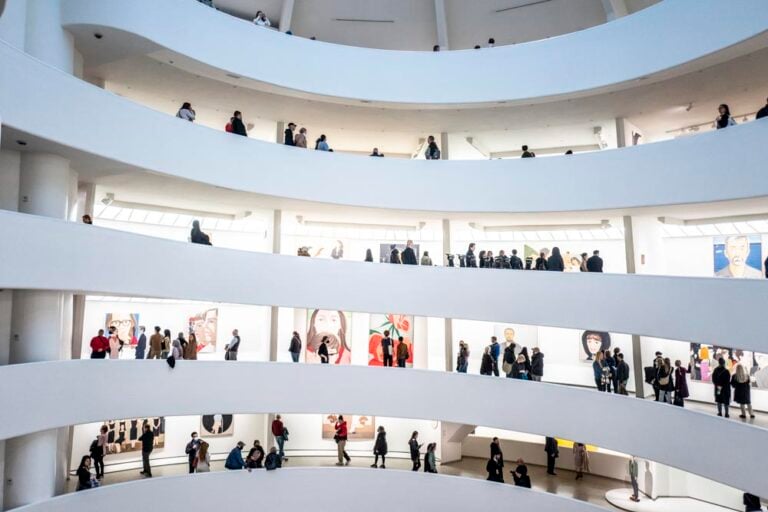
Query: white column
x=10, y=165
x=615, y=9
x=444, y=149
x=441, y=25
x=448, y=321
x=280, y=132
x=637, y=354
x=41, y=330
x=45, y=38
x=286, y=15
x=277, y=221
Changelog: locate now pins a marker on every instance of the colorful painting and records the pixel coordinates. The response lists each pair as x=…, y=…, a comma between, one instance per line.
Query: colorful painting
x=123, y=435
x=397, y=325
x=593, y=342
x=704, y=358
x=337, y=326
x=217, y=425
x=205, y=326
x=127, y=325
x=738, y=256
x=358, y=427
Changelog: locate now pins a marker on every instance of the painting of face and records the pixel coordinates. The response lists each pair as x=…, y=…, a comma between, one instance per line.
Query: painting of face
x=205, y=326
x=334, y=325
x=738, y=256
x=358, y=427
x=126, y=325
x=593, y=342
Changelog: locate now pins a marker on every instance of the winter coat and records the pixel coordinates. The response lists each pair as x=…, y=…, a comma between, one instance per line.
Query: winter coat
x=721, y=379
x=537, y=364
x=741, y=391
x=380, y=446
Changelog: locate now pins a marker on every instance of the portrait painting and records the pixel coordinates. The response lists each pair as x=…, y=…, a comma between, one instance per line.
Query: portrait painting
x=205, y=326
x=336, y=326
x=216, y=425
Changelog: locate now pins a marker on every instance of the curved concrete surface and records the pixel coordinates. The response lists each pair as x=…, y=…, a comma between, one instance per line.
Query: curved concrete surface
x=91, y=259
x=95, y=122
x=655, y=40
x=650, y=430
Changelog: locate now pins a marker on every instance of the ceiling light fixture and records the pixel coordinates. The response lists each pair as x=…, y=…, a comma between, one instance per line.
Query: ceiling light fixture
x=109, y=200
x=674, y=221
x=604, y=224
x=359, y=225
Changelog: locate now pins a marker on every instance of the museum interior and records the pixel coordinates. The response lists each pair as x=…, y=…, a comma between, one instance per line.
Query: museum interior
x=209, y=210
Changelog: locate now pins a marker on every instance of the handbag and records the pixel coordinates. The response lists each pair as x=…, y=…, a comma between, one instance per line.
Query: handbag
x=678, y=401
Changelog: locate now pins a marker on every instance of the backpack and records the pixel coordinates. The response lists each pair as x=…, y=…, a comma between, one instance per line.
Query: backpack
x=94, y=446
x=228, y=127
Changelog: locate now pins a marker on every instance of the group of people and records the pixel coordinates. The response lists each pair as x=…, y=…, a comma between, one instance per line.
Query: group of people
x=161, y=345
x=516, y=363
x=611, y=372
x=547, y=260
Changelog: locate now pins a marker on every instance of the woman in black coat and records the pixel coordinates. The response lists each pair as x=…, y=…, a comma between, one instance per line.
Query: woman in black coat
x=555, y=262
x=494, y=467
x=721, y=379
x=486, y=366
x=496, y=450
x=197, y=236
x=742, y=394
x=380, y=448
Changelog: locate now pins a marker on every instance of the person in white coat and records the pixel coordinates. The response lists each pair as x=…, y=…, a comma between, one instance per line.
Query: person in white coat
x=262, y=20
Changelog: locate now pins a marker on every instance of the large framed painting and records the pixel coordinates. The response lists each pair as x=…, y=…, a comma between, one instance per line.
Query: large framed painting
x=123, y=435
x=397, y=325
x=358, y=427
x=126, y=325
x=205, y=326
x=336, y=325
x=593, y=342
x=217, y=425
x=738, y=256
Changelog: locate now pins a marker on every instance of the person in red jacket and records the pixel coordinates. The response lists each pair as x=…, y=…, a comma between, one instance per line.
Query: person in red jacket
x=341, y=441
x=280, y=433
x=99, y=346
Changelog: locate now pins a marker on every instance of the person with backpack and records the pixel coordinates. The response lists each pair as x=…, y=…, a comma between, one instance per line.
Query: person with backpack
x=98, y=450
x=664, y=381
x=402, y=352
x=281, y=435
x=432, y=152
x=508, y=359
x=236, y=125
x=386, y=349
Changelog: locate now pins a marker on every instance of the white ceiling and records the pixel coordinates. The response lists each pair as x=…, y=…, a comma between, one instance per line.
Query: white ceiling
x=411, y=24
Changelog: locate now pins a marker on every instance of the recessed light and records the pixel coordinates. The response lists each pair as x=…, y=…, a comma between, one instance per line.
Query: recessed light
x=21, y=142
x=231, y=75
x=98, y=35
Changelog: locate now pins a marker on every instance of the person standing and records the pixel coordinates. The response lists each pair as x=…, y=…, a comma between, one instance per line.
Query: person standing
x=322, y=351
x=622, y=374
x=724, y=119
x=232, y=347
x=166, y=345
x=555, y=261
x=430, y=462
x=580, y=460
x=238, y=128
x=155, y=344
x=341, y=441
x=203, y=461
x=141, y=344
x=115, y=344
x=721, y=380
x=288, y=139
x=190, y=350
x=469, y=258
x=541, y=262
x=98, y=449
x=279, y=431
x=321, y=144
x=295, y=347
x=191, y=450
x=486, y=365
x=432, y=152
x=632, y=467
x=597, y=370
x=553, y=452
x=751, y=503
x=402, y=352
x=414, y=447
x=681, y=384
x=494, y=467
x=99, y=345
x=495, y=353
x=386, y=349
x=583, y=265
x=426, y=261
x=300, y=141
x=515, y=263
x=741, y=391
x=462, y=360
x=235, y=458
x=595, y=262
x=380, y=448
x=147, y=440
x=520, y=475
x=537, y=365
x=409, y=255
x=496, y=450
x=763, y=112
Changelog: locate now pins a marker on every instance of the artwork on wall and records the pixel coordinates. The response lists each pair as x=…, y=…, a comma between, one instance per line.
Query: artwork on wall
x=593, y=342
x=704, y=360
x=385, y=251
x=337, y=326
x=738, y=256
x=123, y=435
x=127, y=325
x=520, y=335
x=397, y=325
x=217, y=425
x=358, y=427
x=205, y=326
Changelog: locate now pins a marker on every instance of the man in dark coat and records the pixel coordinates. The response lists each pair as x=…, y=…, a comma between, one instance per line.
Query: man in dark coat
x=289, y=139
x=537, y=365
x=494, y=468
x=595, y=262
x=471, y=261
x=409, y=255
x=622, y=374
x=238, y=128
x=141, y=345
x=721, y=379
x=515, y=263
x=553, y=452
x=496, y=450
x=295, y=347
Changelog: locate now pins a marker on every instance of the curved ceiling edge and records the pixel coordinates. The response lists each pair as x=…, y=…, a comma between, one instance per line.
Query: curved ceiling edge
x=97, y=123
x=678, y=308
x=657, y=39
x=670, y=435
x=276, y=490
